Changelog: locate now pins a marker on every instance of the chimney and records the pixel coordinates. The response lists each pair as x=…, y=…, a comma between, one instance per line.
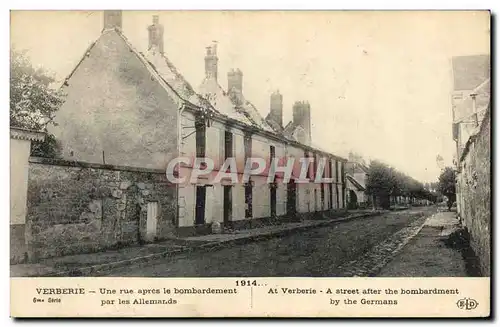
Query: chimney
x=276, y=112
x=155, y=34
x=211, y=61
x=112, y=19
x=302, y=118
x=235, y=81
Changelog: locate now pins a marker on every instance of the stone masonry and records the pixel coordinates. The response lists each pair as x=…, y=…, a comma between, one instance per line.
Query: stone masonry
x=474, y=193
x=75, y=207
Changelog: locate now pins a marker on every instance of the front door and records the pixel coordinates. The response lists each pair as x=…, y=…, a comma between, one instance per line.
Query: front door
x=227, y=205
x=322, y=196
x=337, y=193
x=201, y=192
x=330, y=192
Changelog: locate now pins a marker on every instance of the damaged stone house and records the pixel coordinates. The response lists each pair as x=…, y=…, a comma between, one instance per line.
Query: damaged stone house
x=471, y=105
x=356, y=176
x=126, y=116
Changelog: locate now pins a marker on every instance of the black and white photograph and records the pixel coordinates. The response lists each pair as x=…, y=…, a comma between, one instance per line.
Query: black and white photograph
x=251, y=144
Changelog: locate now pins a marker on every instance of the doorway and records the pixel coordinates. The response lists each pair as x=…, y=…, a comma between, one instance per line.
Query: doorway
x=322, y=197
x=353, y=200
x=201, y=193
x=273, y=199
x=291, y=197
x=330, y=192
x=248, y=199
x=228, y=205
x=337, y=194
x=151, y=221
x=315, y=200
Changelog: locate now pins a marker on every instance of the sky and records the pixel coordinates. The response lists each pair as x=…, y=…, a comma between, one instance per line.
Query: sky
x=379, y=83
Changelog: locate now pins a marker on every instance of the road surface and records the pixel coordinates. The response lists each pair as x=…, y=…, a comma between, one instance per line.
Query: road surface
x=317, y=252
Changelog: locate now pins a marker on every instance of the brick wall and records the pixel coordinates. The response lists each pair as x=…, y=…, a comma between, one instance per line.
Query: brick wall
x=76, y=207
x=474, y=187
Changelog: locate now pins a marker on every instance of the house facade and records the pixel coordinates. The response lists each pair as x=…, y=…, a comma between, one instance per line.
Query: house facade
x=472, y=134
x=470, y=96
x=356, y=177
x=129, y=115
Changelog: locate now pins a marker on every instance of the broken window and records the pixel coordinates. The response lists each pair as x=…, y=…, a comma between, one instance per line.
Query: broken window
x=228, y=145
x=248, y=146
x=200, y=137
x=309, y=169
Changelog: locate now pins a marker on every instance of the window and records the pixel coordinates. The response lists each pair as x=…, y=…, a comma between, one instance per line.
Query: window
x=326, y=170
x=322, y=196
x=272, y=155
x=228, y=145
x=200, y=138
x=315, y=165
x=248, y=146
x=272, y=151
x=328, y=174
x=309, y=169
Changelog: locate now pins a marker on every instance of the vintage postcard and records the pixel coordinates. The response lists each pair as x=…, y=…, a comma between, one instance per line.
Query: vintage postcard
x=250, y=163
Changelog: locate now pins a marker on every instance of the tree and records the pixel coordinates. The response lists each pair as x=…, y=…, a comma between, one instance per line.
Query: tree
x=447, y=185
x=379, y=183
x=33, y=101
x=384, y=182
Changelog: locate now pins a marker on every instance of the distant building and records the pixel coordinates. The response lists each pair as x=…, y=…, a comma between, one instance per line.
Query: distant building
x=356, y=178
x=470, y=96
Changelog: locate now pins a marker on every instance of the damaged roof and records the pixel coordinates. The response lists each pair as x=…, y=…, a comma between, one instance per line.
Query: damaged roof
x=356, y=167
x=233, y=104
x=355, y=183
x=211, y=96
x=220, y=100
x=274, y=125
x=161, y=68
x=289, y=130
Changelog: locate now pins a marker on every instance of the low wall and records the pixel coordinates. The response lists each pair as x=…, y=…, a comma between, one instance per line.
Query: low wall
x=474, y=193
x=76, y=207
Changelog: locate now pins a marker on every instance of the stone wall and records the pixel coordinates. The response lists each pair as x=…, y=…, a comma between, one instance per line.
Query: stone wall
x=115, y=112
x=474, y=193
x=76, y=207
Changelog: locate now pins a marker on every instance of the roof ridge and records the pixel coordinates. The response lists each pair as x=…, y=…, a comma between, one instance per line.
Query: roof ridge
x=176, y=72
x=157, y=74
x=85, y=55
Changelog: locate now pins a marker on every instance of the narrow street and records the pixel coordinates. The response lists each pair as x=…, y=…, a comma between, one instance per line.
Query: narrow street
x=321, y=252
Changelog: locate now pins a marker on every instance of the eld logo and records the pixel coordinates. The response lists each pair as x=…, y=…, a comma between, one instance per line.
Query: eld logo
x=467, y=304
